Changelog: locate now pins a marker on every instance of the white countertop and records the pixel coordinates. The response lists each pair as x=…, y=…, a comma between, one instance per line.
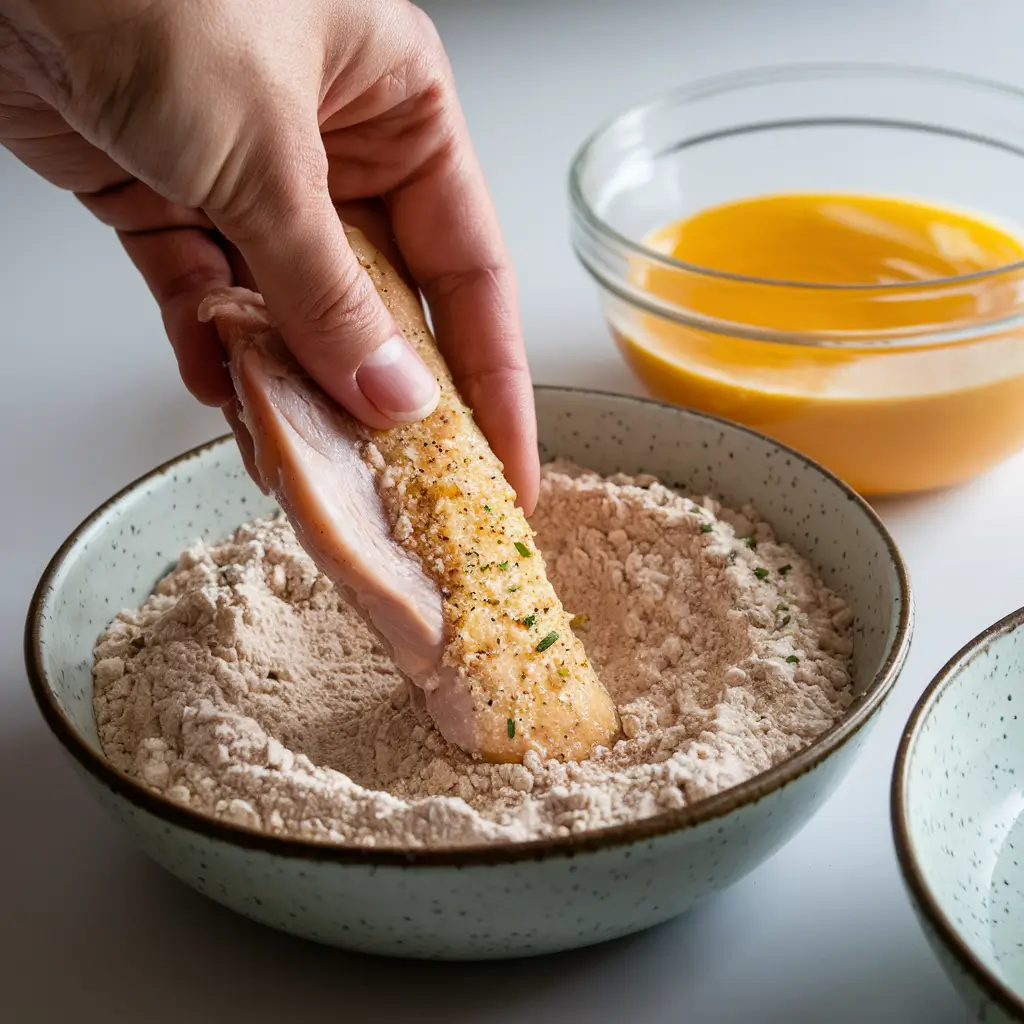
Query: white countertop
x=91, y=930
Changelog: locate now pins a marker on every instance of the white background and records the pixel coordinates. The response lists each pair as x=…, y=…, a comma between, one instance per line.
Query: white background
x=90, y=930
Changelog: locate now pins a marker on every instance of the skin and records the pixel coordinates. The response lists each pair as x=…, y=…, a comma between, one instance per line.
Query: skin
x=222, y=138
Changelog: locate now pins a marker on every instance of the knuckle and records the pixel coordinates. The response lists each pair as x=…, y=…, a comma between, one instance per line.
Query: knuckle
x=423, y=28
x=423, y=57
x=494, y=276
x=31, y=56
x=265, y=183
x=344, y=314
x=114, y=76
x=197, y=281
x=511, y=375
x=337, y=319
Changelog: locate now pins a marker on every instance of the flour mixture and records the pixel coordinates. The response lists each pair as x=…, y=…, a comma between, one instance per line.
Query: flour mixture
x=246, y=689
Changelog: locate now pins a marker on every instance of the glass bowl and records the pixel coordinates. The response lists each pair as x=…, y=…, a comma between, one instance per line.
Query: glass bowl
x=931, y=396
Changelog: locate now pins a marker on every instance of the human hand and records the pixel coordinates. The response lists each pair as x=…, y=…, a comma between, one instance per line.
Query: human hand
x=220, y=138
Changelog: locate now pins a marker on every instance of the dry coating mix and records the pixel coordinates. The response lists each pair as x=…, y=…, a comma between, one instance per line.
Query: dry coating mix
x=245, y=688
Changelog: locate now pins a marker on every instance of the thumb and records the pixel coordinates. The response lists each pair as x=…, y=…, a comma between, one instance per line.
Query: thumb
x=280, y=216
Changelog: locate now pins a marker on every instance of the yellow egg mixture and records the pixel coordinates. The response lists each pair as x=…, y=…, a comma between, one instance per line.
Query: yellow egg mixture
x=885, y=416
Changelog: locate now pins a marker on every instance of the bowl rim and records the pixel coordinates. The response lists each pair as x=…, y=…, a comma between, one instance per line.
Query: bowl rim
x=749, y=792
x=913, y=876
x=734, y=81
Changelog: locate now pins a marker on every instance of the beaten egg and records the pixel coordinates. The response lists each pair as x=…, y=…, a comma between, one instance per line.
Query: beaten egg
x=875, y=334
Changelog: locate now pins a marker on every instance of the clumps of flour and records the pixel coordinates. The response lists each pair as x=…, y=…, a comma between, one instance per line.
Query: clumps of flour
x=245, y=688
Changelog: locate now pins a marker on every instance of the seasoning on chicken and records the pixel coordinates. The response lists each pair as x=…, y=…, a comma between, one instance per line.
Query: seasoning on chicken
x=418, y=529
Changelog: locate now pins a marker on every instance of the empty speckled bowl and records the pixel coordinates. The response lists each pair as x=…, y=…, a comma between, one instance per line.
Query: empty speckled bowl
x=508, y=899
x=958, y=819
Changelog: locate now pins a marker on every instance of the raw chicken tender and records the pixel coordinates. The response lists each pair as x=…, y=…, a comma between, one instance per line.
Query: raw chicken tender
x=418, y=529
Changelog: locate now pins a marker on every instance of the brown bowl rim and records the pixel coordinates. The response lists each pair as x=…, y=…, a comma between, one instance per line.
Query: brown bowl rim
x=914, y=878
x=699, y=813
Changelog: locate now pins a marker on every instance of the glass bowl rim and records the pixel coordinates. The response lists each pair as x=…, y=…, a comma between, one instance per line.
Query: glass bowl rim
x=735, y=81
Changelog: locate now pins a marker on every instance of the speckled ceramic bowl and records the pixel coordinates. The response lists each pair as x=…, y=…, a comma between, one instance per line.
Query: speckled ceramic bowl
x=508, y=899
x=958, y=819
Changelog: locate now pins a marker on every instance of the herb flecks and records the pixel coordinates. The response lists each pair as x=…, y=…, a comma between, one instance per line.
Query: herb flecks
x=793, y=660
x=503, y=565
x=751, y=543
x=761, y=573
x=563, y=672
x=546, y=642
x=530, y=620
x=706, y=527
x=523, y=549
x=511, y=728
x=785, y=569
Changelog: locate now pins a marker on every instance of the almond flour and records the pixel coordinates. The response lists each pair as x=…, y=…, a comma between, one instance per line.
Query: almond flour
x=245, y=688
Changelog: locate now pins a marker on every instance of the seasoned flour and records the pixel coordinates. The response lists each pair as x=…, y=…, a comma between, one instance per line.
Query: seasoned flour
x=244, y=688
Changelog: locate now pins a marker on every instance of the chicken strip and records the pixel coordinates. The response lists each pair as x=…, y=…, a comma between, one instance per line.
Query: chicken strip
x=419, y=530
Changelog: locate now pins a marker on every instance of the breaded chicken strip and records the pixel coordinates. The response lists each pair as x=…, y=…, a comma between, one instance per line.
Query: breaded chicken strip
x=419, y=530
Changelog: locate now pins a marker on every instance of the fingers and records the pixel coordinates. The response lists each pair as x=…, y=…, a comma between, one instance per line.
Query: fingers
x=132, y=206
x=280, y=216
x=181, y=266
x=449, y=235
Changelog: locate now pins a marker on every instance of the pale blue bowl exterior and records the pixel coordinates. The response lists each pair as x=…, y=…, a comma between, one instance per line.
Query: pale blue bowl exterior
x=511, y=900
x=956, y=793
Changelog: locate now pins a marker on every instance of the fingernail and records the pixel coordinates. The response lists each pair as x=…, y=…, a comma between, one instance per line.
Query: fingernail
x=395, y=380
